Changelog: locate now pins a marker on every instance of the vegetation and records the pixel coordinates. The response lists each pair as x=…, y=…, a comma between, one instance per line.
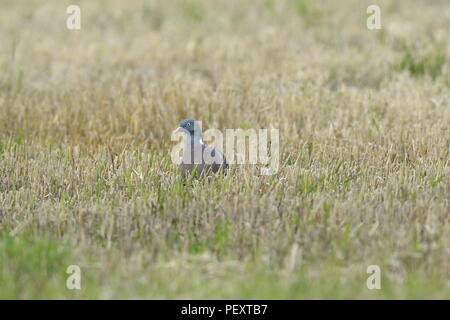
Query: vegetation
x=86, y=176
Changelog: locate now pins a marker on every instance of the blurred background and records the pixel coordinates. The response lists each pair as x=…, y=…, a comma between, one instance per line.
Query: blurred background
x=136, y=67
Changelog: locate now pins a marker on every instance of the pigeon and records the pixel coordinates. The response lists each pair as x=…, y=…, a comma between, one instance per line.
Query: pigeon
x=198, y=158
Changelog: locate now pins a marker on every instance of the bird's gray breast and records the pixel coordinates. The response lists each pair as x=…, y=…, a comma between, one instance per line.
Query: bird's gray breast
x=203, y=159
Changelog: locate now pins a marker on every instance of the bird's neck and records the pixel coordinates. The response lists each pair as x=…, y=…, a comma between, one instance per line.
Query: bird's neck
x=194, y=139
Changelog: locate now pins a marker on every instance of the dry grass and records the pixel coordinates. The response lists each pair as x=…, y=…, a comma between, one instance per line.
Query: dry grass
x=85, y=171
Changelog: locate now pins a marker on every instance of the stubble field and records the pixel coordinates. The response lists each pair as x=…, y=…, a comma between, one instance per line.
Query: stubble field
x=86, y=176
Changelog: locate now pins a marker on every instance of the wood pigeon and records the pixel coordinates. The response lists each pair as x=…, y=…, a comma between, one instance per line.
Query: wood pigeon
x=198, y=158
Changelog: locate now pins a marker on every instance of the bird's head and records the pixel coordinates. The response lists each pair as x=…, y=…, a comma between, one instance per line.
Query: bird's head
x=190, y=127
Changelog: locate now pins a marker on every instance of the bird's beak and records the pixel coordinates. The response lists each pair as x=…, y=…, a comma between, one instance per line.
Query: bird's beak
x=180, y=129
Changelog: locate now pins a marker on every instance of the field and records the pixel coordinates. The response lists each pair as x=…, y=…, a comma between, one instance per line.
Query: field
x=86, y=176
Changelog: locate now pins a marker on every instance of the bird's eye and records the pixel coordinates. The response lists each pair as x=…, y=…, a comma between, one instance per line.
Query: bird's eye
x=189, y=124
